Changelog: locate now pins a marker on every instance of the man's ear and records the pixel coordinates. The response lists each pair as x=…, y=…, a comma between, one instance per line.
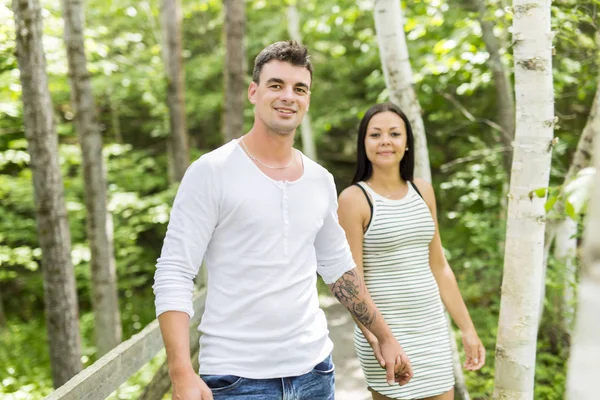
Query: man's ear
x=252, y=92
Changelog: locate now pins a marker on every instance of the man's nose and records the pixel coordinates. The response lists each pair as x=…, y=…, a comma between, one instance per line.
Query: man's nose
x=287, y=94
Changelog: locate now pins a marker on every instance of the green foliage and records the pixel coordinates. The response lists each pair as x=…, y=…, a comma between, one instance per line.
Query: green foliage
x=24, y=361
x=123, y=48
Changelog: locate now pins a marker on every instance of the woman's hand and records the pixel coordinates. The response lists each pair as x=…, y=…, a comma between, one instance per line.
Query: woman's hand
x=474, y=351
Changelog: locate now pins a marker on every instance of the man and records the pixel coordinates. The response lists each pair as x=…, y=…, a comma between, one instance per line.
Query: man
x=264, y=217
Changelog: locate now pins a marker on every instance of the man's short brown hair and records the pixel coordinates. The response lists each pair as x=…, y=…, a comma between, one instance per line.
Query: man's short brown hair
x=289, y=51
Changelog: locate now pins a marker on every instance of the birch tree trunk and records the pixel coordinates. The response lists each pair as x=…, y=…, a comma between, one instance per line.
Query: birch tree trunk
x=505, y=102
x=235, y=68
x=308, y=143
x=171, y=19
x=523, y=258
x=395, y=61
x=584, y=367
x=51, y=215
x=105, y=302
x=460, y=385
x=562, y=229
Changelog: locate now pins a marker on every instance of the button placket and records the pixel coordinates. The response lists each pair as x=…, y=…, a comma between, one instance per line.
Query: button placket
x=286, y=221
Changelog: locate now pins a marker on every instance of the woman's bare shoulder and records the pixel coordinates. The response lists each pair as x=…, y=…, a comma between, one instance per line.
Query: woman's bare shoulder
x=353, y=198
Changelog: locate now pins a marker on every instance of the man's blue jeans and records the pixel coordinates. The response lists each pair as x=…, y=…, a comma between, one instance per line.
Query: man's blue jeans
x=318, y=384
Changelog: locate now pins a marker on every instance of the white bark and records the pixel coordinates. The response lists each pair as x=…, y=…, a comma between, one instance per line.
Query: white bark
x=565, y=249
x=460, y=385
x=62, y=320
x=235, y=69
x=563, y=228
x=171, y=18
x=107, y=318
x=505, y=103
x=523, y=259
x=584, y=365
x=308, y=143
x=395, y=61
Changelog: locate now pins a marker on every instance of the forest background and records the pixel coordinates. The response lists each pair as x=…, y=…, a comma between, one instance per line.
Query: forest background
x=453, y=82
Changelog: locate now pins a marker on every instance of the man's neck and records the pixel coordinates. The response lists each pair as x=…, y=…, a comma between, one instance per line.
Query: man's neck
x=269, y=146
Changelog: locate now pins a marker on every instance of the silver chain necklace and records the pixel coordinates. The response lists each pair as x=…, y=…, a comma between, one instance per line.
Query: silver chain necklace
x=262, y=163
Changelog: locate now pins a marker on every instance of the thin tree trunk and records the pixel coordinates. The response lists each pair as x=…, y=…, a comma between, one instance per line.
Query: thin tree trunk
x=395, y=61
x=584, y=368
x=308, y=143
x=523, y=258
x=505, y=102
x=235, y=68
x=171, y=19
x=389, y=24
x=105, y=302
x=460, y=385
x=567, y=248
x=51, y=214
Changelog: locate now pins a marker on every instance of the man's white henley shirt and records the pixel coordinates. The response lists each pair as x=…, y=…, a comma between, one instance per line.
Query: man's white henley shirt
x=263, y=241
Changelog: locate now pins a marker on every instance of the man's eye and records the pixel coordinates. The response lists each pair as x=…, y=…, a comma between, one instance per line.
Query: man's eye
x=301, y=90
x=275, y=86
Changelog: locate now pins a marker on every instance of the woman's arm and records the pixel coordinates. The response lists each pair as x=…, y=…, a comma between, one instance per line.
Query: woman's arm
x=448, y=287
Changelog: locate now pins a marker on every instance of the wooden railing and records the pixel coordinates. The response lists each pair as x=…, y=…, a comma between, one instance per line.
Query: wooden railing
x=103, y=377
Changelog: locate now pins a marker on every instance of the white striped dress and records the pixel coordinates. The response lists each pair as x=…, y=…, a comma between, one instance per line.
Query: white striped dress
x=398, y=276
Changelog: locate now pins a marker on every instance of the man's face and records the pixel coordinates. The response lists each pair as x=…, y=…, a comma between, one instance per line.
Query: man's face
x=282, y=97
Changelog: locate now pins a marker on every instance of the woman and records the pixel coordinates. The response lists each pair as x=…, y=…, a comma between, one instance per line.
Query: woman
x=391, y=225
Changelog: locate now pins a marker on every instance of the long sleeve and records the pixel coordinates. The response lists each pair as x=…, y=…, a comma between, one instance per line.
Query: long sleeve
x=334, y=257
x=191, y=225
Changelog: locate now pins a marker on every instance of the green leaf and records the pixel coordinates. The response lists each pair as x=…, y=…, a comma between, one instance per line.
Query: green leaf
x=550, y=203
x=541, y=192
x=570, y=210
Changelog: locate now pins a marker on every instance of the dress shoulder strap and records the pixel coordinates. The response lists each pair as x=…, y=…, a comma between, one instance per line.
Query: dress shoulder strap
x=361, y=185
x=416, y=188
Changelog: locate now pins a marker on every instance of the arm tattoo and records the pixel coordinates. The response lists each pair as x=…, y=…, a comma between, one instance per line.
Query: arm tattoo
x=350, y=291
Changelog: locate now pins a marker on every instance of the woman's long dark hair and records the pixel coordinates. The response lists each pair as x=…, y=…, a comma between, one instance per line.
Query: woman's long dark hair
x=364, y=168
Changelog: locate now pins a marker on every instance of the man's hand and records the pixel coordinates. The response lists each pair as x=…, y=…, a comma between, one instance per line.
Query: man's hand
x=392, y=357
x=189, y=386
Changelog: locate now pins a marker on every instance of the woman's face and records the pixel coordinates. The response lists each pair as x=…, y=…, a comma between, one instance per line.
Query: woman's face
x=385, y=141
